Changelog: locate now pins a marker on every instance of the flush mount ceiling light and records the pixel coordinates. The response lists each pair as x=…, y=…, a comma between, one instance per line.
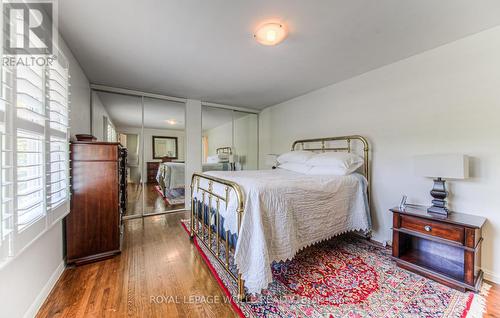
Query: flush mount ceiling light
x=270, y=33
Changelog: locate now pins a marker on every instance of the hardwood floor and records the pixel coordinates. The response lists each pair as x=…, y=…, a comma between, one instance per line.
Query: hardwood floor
x=493, y=302
x=153, y=201
x=159, y=261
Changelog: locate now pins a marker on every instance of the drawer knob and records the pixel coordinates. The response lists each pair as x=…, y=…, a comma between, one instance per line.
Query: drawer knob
x=428, y=228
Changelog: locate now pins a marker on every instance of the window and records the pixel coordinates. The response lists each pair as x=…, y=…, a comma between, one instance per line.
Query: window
x=34, y=157
x=110, y=134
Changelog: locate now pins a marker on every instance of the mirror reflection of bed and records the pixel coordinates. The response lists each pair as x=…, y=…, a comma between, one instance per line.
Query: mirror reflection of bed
x=229, y=143
x=170, y=175
x=229, y=132
x=118, y=117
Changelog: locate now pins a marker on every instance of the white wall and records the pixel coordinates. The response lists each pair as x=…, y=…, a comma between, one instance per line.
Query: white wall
x=220, y=136
x=246, y=144
x=80, y=95
x=446, y=100
x=98, y=114
x=27, y=279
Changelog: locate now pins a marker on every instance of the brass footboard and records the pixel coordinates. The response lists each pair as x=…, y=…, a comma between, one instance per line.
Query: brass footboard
x=203, y=232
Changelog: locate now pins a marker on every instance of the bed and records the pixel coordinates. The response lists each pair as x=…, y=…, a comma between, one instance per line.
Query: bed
x=249, y=219
x=171, y=175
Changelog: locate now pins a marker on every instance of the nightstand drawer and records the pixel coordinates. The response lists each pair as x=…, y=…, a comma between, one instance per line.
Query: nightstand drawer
x=442, y=230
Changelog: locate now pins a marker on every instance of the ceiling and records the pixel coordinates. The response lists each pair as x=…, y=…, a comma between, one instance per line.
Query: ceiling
x=125, y=111
x=205, y=49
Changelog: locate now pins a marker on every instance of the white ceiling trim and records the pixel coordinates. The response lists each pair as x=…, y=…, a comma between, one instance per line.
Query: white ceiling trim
x=241, y=109
x=126, y=91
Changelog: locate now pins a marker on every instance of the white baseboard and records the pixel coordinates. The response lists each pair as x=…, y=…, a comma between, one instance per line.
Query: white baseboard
x=35, y=306
x=491, y=276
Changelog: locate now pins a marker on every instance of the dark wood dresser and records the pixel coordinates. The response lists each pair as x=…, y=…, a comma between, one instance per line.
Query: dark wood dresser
x=445, y=249
x=152, y=170
x=93, y=228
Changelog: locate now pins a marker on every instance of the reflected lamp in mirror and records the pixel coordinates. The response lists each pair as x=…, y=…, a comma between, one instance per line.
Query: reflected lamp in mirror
x=231, y=161
x=441, y=167
x=164, y=147
x=271, y=159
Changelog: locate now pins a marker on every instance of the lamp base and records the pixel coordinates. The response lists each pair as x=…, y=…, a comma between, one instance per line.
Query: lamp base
x=439, y=194
x=438, y=210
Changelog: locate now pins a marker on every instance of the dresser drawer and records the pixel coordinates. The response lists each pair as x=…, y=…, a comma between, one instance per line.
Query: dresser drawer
x=443, y=230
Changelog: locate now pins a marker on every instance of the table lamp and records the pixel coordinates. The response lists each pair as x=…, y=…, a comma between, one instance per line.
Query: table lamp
x=271, y=160
x=440, y=167
x=231, y=159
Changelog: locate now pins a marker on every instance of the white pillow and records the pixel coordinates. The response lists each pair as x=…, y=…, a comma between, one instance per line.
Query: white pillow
x=213, y=159
x=298, y=156
x=296, y=167
x=337, y=163
x=326, y=171
x=222, y=157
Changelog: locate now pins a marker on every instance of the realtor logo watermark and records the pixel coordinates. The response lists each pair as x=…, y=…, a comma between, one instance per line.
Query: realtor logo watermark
x=29, y=32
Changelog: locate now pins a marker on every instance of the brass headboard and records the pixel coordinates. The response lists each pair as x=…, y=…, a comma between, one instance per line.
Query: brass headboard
x=347, y=148
x=227, y=150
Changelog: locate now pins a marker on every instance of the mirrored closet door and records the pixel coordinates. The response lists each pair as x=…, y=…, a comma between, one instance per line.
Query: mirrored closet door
x=229, y=140
x=118, y=118
x=164, y=134
x=245, y=140
x=152, y=131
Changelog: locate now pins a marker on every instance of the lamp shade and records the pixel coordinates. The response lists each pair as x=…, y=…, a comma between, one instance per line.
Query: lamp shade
x=448, y=166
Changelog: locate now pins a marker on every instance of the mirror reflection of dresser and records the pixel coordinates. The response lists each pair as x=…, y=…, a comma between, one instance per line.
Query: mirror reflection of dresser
x=152, y=170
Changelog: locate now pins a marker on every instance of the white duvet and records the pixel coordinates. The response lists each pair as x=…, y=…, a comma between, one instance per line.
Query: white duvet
x=285, y=212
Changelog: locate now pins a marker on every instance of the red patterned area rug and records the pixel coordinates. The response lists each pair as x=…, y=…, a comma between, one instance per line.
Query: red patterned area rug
x=172, y=196
x=347, y=277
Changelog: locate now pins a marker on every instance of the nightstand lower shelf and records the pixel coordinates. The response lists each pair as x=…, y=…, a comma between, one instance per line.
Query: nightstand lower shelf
x=441, y=278
x=446, y=267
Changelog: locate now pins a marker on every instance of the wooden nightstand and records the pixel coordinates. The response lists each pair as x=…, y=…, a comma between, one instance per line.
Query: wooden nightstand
x=445, y=249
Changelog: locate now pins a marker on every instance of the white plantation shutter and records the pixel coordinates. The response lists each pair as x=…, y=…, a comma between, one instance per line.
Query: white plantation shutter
x=58, y=155
x=109, y=131
x=34, y=119
x=29, y=149
x=7, y=167
x=111, y=134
